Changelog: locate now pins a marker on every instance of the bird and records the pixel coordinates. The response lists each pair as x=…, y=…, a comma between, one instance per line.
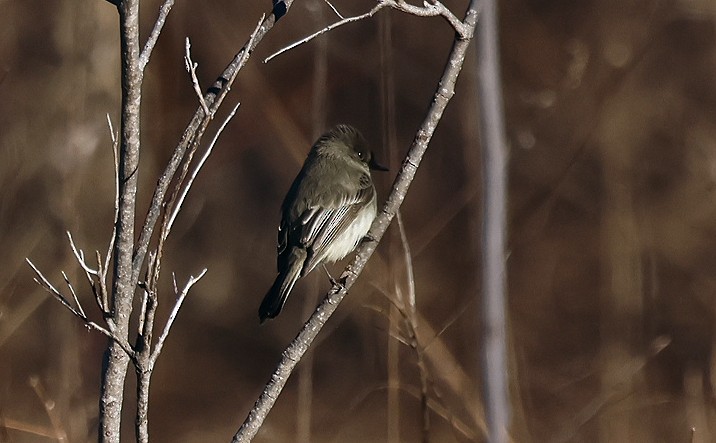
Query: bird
x=328, y=209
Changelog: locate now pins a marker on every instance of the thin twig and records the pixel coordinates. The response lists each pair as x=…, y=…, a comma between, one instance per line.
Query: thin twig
x=334, y=9
x=102, y=298
x=407, y=255
x=192, y=136
x=191, y=66
x=335, y=25
x=147, y=357
x=172, y=205
x=112, y=135
x=432, y=9
x=41, y=280
x=141, y=324
x=79, y=256
x=74, y=294
x=110, y=247
x=50, y=288
x=177, y=305
x=89, y=272
x=150, y=304
x=154, y=36
x=411, y=321
x=174, y=283
x=199, y=165
x=146, y=286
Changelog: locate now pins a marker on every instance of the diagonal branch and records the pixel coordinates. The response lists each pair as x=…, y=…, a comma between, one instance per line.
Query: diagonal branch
x=171, y=205
x=172, y=316
x=80, y=257
x=192, y=135
x=432, y=9
x=100, y=288
x=149, y=299
x=298, y=347
x=334, y=9
x=154, y=36
x=197, y=168
x=191, y=66
x=41, y=280
x=335, y=25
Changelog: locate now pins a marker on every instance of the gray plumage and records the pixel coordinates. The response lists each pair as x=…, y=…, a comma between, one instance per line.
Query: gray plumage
x=327, y=211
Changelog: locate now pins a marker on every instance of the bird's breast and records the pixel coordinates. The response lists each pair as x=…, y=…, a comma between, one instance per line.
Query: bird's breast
x=347, y=242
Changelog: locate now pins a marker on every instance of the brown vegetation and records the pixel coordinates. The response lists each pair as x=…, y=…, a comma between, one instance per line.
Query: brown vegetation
x=612, y=218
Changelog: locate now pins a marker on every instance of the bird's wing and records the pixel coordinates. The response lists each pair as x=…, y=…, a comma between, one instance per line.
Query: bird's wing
x=323, y=223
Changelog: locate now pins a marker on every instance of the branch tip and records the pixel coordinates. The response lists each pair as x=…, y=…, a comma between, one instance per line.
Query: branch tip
x=191, y=66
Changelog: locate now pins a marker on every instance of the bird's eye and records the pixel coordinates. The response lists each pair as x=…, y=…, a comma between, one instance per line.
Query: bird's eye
x=360, y=154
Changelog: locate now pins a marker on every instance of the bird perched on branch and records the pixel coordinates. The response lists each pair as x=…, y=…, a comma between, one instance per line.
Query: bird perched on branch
x=326, y=213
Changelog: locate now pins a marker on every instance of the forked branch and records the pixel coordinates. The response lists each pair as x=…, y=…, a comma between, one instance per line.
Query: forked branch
x=78, y=311
x=429, y=9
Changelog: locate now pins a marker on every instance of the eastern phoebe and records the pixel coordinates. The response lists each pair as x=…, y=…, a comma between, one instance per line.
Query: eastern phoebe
x=326, y=213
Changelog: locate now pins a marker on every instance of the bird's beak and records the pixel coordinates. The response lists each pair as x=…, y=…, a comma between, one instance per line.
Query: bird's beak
x=374, y=165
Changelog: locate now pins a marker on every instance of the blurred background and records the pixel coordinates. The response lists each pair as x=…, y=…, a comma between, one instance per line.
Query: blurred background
x=611, y=119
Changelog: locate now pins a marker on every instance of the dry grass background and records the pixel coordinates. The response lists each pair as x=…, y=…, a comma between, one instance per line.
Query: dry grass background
x=610, y=110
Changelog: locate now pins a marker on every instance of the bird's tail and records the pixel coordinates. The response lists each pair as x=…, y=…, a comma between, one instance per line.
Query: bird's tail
x=276, y=297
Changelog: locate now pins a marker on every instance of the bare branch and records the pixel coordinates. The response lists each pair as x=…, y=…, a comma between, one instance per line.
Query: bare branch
x=79, y=255
x=111, y=130
x=174, y=283
x=180, y=299
x=141, y=324
x=430, y=9
x=41, y=280
x=197, y=168
x=90, y=274
x=147, y=286
x=102, y=296
x=254, y=39
x=154, y=36
x=74, y=294
x=190, y=66
x=173, y=204
x=411, y=323
x=407, y=255
x=114, y=370
x=192, y=136
x=127, y=248
x=335, y=25
x=334, y=9
x=110, y=248
x=48, y=286
x=433, y=9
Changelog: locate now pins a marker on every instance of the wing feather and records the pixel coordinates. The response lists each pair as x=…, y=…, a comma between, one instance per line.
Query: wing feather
x=328, y=223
